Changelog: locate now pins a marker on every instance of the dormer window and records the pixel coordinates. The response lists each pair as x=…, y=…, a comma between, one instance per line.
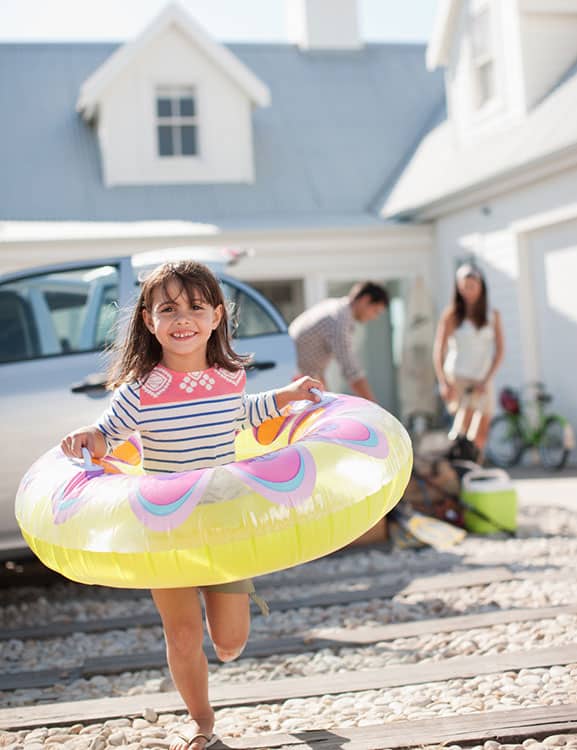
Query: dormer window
x=176, y=122
x=483, y=62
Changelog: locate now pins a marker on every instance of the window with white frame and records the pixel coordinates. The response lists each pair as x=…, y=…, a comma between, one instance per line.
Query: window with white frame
x=176, y=122
x=482, y=57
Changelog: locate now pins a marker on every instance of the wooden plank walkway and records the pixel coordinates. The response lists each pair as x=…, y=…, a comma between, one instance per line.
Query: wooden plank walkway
x=504, y=726
x=275, y=691
x=391, y=587
x=330, y=638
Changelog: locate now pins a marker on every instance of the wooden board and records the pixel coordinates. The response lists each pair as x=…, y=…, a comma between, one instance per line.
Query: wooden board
x=275, y=691
x=445, y=582
x=330, y=638
x=504, y=726
x=388, y=586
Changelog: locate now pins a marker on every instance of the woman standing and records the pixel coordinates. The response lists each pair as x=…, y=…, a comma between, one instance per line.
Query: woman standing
x=467, y=352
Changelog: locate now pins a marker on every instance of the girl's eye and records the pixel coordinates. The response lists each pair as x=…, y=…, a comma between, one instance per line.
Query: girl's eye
x=166, y=309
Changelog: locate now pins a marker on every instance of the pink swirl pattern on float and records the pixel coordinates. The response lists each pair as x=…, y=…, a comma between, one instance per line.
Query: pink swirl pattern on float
x=161, y=503
x=285, y=477
x=350, y=433
x=316, y=410
x=293, y=421
x=71, y=497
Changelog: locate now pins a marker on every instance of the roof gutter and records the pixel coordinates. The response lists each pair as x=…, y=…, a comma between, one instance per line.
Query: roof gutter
x=497, y=184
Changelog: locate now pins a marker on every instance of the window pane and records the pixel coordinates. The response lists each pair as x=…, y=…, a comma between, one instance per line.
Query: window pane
x=18, y=330
x=165, y=141
x=163, y=107
x=106, y=320
x=287, y=296
x=247, y=317
x=188, y=136
x=57, y=313
x=186, y=106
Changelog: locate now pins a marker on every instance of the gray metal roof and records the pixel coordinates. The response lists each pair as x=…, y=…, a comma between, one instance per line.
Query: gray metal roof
x=341, y=125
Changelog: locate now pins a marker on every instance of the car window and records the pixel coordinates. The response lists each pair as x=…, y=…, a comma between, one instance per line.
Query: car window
x=58, y=313
x=18, y=333
x=248, y=316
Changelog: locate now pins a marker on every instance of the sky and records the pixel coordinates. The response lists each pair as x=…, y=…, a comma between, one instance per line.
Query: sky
x=226, y=20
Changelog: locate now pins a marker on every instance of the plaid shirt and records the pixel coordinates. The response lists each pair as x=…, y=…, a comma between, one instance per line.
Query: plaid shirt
x=323, y=332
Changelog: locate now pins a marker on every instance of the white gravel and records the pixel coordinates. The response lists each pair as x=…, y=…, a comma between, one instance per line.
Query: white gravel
x=546, y=550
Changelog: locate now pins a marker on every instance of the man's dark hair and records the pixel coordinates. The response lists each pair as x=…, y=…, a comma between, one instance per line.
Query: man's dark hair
x=377, y=293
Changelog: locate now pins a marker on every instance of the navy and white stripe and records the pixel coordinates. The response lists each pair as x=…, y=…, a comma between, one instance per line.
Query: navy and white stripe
x=188, y=434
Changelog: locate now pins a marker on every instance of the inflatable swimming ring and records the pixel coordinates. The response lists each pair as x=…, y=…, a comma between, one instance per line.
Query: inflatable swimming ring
x=303, y=485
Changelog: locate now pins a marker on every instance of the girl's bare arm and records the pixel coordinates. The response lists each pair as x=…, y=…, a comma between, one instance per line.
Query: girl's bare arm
x=499, y=347
x=444, y=330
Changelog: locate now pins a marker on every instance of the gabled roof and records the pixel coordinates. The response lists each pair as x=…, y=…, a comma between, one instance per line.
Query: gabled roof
x=445, y=20
x=173, y=15
x=442, y=169
x=341, y=125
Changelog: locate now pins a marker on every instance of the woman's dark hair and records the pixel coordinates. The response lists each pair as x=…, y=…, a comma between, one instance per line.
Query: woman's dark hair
x=377, y=293
x=141, y=351
x=479, y=312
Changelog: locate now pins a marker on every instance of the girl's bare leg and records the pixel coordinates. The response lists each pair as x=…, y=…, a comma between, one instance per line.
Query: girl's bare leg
x=228, y=622
x=482, y=435
x=474, y=426
x=462, y=423
x=181, y=615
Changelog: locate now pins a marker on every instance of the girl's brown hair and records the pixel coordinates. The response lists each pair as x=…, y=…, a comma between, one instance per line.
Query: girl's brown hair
x=478, y=314
x=141, y=351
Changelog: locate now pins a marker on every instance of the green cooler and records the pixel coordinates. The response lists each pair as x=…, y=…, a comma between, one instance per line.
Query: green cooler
x=492, y=494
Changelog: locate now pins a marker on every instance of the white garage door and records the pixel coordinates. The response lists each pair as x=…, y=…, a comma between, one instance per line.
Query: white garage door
x=555, y=283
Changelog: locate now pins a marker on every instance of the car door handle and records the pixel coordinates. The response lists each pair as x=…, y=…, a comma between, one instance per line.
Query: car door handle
x=92, y=384
x=266, y=365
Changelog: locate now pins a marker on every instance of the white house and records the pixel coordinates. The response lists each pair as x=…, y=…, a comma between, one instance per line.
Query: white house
x=497, y=180
x=335, y=160
x=174, y=139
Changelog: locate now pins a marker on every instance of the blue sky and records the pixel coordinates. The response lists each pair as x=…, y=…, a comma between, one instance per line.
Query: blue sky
x=227, y=20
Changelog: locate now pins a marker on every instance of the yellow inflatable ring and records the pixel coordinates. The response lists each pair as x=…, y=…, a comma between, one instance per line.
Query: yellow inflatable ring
x=303, y=485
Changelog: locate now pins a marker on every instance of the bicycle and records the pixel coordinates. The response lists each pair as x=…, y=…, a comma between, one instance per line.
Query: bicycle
x=516, y=430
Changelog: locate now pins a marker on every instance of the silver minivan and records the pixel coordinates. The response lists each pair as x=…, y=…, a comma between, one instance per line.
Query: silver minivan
x=56, y=322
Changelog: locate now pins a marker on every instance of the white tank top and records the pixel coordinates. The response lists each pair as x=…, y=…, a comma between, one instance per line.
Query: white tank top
x=470, y=350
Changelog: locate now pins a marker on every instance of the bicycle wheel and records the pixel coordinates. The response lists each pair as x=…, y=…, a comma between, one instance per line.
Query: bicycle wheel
x=552, y=448
x=505, y=442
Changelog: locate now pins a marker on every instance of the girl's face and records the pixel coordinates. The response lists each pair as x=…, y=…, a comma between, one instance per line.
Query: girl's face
x=470, y=289
x=181, y=326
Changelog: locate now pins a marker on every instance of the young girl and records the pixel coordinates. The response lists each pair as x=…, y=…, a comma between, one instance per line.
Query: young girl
x=468, y=350
x=181, y=386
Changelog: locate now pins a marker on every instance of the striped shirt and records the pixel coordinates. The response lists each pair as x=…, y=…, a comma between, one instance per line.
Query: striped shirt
x=186, y=420
x=325, y=331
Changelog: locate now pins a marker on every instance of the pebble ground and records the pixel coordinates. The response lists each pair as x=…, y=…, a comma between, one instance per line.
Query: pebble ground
x=545, y=551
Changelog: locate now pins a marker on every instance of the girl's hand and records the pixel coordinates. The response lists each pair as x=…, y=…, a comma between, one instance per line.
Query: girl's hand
x=86, y=437
x=298, y=390
x=480, y=387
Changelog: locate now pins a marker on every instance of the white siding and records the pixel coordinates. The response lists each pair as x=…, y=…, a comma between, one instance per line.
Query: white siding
x=470, y=123
x=491, y=234
x=553, y=260
x=549, y=48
